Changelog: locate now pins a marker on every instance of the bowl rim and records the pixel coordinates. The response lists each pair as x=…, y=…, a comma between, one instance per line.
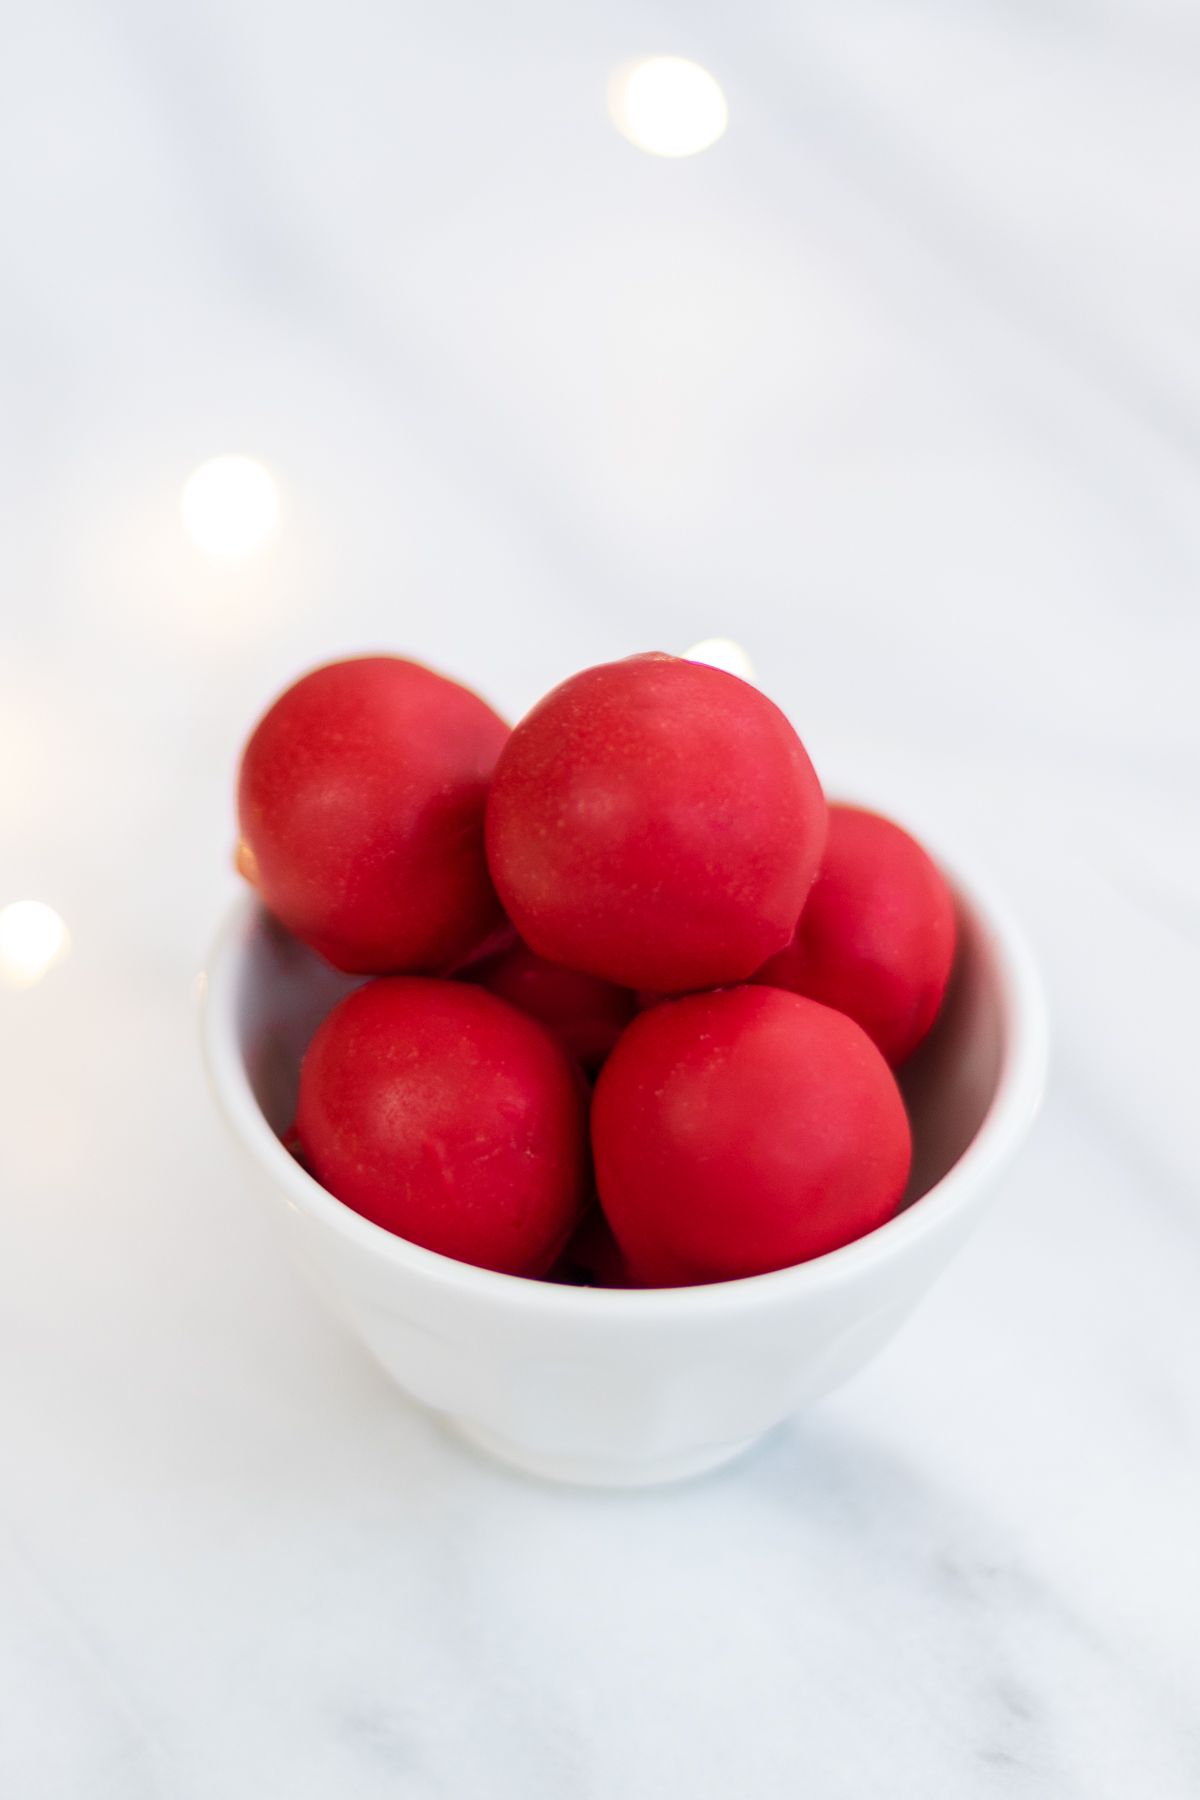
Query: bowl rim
x=1009, y=1116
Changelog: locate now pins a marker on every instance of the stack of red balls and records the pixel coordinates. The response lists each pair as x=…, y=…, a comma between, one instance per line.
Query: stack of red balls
x=635, y=906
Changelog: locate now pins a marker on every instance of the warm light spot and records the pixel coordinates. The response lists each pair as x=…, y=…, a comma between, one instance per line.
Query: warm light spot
x=229, y=506
x=722, y=653
x=668, y=106
x=32, y=939
x=245, y=862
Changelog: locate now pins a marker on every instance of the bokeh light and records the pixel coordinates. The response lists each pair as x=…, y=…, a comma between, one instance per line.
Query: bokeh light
x=33, y=938
x=229, y=506
x=668, y=106
x=722, y=653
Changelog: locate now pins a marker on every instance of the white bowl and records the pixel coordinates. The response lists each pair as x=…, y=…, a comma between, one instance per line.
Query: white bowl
x=616, y=1387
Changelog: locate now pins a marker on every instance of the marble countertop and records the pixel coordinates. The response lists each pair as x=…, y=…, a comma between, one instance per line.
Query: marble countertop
x=899, y=383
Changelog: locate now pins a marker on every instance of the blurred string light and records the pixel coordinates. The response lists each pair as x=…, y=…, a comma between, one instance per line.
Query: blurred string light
x=229, y=506
x=668, y=106
x=722, y=653
x=33, y=938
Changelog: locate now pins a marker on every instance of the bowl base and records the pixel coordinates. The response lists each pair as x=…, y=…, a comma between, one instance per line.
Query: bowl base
x=600, y=1471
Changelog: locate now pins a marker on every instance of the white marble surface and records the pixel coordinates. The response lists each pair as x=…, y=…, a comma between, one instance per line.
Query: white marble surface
x=900, y=383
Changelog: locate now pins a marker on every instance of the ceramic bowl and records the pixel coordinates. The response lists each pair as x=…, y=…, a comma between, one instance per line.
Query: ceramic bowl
x=626, y=1388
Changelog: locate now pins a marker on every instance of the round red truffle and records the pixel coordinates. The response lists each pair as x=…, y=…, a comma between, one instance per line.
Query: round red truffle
x=449, y=1118
x=876, y=936
x=743, y=1131
x=587, y=1015
x=657, y=823
x=360, y=804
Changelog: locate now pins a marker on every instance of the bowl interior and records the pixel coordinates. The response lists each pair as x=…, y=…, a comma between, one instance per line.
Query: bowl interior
x=951, y=1081
x=283, y=991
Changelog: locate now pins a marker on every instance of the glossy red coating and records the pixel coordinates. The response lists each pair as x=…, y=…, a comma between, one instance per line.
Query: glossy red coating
x=449, y=1118
x=742, y=1131
x=877, y=934
x=657, y=823
x=360, y=805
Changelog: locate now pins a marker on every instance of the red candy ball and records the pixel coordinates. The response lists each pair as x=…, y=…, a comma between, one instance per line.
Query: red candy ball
x=743, y=1131
x=587, y=1015
x=360, y=802
x=449, y=1118
x=657, y=823
x=876, y=937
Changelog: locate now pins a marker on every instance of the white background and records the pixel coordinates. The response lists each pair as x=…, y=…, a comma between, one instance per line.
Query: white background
x=900, y=385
